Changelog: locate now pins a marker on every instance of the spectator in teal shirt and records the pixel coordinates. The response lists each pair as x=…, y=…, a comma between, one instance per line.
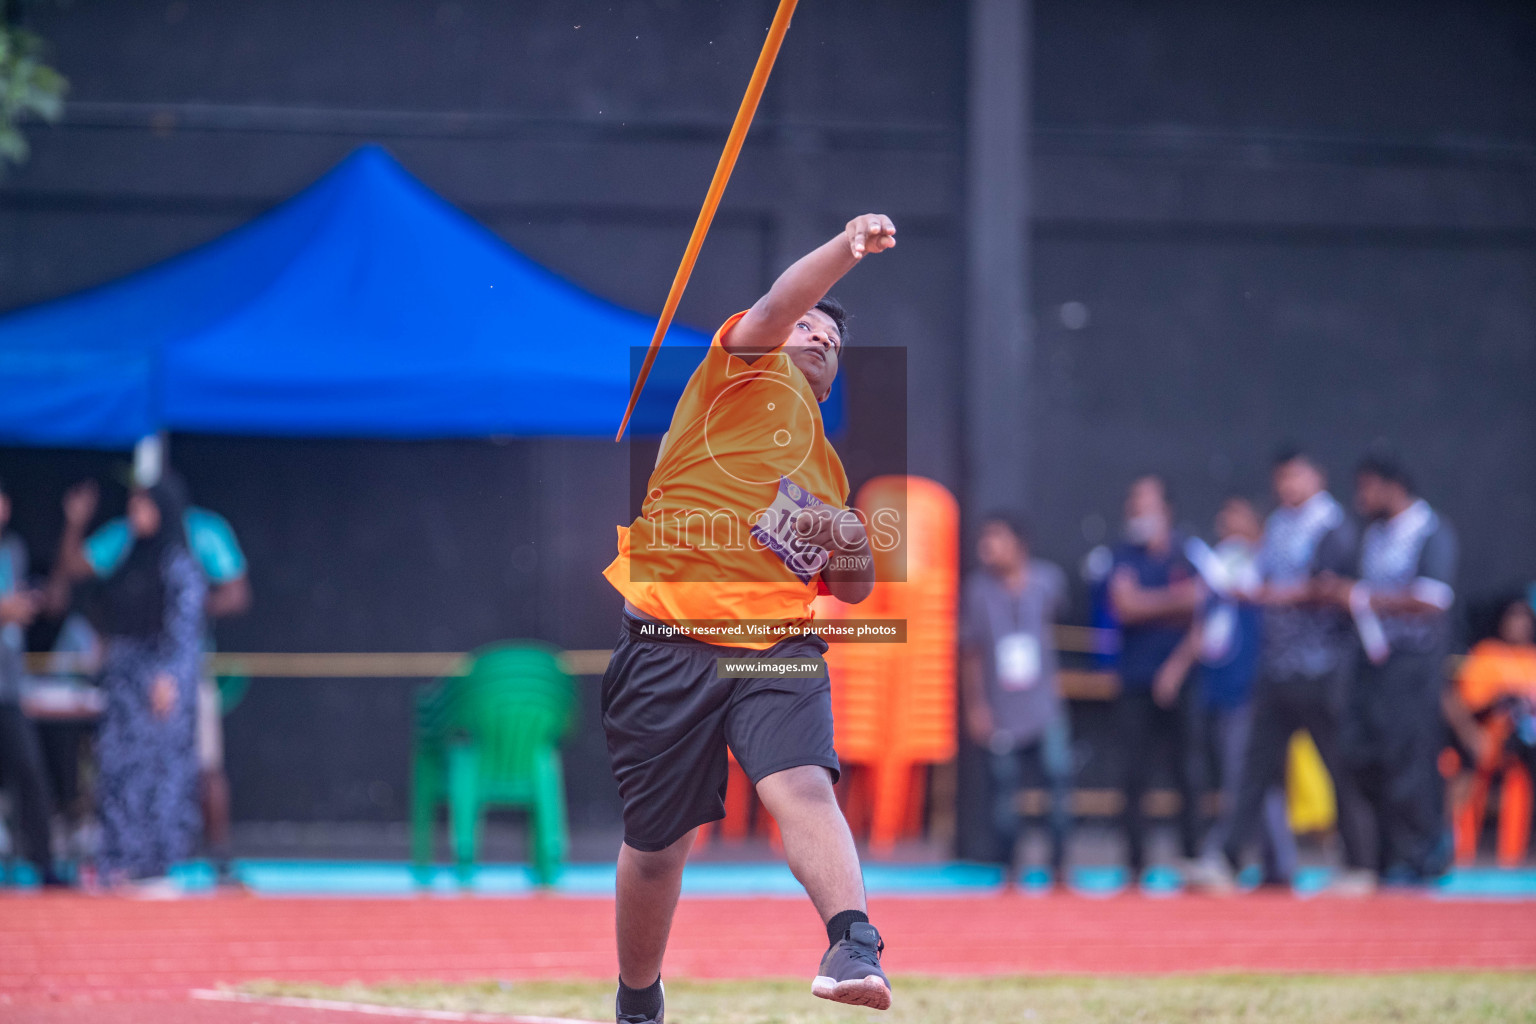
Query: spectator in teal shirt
x=213, y=542
x=217, y=553
x=21, y=755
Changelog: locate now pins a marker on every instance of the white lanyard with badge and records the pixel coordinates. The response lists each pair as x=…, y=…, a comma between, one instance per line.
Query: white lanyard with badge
x=1016, y=653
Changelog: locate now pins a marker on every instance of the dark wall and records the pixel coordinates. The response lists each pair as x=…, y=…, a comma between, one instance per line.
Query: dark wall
x=1251, y=222
x=1311, y=221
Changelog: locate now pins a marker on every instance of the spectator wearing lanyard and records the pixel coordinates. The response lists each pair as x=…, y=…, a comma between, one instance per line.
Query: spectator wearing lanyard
x=1012, y=695
x=21, y=753
x=1401, y=605
x=1154, y=594
x=217, y=553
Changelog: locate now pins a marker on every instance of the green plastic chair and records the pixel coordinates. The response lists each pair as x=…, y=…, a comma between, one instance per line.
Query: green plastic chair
x=492, y=737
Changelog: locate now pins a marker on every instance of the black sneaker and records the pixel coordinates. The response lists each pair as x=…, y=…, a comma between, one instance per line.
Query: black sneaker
x=850, y=971
x=639, y=1018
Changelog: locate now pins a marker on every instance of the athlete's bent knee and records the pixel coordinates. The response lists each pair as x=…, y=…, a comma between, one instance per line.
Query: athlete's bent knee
x=659, y=863
x=805, y=785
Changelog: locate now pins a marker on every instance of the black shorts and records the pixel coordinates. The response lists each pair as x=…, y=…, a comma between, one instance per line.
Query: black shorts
x=668, y=720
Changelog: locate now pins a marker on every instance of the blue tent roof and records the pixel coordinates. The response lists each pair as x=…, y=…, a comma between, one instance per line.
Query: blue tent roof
x=365, y=306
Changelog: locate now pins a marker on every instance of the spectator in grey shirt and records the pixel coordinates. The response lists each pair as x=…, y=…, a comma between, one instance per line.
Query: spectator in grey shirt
x=1008, y=671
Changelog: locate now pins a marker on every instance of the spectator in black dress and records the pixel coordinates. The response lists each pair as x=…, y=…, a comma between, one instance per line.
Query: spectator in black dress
x=151, y=619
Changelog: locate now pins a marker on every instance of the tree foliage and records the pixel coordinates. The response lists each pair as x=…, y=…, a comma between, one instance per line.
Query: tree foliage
x=29, y=88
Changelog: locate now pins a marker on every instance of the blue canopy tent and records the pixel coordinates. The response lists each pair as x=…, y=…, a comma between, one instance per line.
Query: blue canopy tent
x=365, y=306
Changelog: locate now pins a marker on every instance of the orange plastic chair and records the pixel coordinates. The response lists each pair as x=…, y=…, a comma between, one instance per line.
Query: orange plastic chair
x=894, y=704
x=1515, y=803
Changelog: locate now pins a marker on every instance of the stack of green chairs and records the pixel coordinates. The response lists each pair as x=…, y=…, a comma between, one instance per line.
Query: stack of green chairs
x=492, y=737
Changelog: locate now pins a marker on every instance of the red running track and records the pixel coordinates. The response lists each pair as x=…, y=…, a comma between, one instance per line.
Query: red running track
x=74, y=950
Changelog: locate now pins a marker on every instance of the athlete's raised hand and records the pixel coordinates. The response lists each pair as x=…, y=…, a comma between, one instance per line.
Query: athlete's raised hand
x=772, y=318
x=871, y=232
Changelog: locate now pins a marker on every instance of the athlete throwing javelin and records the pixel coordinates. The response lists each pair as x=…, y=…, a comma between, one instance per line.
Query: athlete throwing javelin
x=744, y=522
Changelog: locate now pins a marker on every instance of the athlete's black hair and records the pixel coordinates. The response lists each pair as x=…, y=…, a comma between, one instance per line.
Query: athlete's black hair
x=839, y=315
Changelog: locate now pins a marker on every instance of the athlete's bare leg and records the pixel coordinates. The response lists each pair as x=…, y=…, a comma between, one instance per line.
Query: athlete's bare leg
x=648, y=887
x=817, y=842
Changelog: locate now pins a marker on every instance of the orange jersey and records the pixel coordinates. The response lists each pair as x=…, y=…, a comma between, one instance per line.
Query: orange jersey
x=745, y=438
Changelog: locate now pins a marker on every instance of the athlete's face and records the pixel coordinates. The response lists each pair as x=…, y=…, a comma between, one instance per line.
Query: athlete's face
x=814, y=346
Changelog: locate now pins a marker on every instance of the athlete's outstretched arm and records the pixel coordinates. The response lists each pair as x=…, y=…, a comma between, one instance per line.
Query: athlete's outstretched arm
x=771, y=317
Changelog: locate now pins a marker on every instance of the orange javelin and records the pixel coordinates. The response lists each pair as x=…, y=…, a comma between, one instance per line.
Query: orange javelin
x=723, y=170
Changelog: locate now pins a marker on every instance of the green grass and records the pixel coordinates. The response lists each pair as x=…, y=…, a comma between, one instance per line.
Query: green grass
x=1211, y=999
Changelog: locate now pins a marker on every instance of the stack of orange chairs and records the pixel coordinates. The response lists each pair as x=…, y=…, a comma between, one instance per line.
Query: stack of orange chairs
x=894, y=704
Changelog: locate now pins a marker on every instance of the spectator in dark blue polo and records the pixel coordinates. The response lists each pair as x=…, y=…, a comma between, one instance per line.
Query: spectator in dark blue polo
x=1154, y=593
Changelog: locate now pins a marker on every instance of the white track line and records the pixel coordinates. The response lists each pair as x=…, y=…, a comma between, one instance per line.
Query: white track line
x=220, y=996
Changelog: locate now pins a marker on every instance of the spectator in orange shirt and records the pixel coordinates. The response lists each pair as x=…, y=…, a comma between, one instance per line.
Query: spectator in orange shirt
x=1491, y=707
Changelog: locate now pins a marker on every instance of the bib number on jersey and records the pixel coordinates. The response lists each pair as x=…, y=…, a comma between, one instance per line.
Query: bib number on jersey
x=775, y=530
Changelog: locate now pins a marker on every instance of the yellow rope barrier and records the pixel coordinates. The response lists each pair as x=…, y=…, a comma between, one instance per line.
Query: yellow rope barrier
x=430, y=664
